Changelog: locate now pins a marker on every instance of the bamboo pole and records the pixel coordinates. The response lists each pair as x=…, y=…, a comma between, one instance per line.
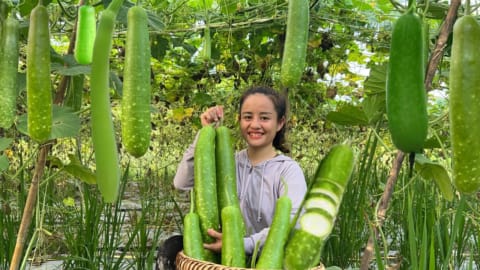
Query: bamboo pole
x=29, y=207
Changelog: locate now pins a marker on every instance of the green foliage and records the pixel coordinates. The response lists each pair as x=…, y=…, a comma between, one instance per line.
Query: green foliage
x=65, y=123
x=335, y=101
x=76, y=169
x=4, y=144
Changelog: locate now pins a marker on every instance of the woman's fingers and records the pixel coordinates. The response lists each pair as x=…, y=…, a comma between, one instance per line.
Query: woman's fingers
x=214, y=234
x=212, y=115
x=216, y=246
x=219, y=111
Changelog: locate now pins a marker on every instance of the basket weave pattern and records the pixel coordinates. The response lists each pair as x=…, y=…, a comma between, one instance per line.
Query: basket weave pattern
x=183, y=262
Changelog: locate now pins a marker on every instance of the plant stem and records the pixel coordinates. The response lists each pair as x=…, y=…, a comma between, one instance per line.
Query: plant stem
x=29, y=207
x=437, y=53
x=382, y=209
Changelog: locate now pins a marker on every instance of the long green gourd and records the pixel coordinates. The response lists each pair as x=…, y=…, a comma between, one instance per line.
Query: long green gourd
x=39, y=92
x=135, y=118
x=103, y=133
x=86, y=30
x=273, y=250
x=321, y=205
x=205, y=186
x=464, y=104
x=233, y=250
x=192, y=235
x=405, y=90
x=8, y=72
x=296, y=39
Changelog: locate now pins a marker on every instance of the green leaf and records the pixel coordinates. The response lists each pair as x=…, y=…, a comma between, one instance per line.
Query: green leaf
x=116, y=83
x=26, y=6
x=76, y=169
x=65, y=123
x=432, y=142
x=71, y=71
x=374, y=107
x=229, y=6
x=348, y=115
x=180, y=113
x=159, y=47
x=430, y=170
x=362, y=5
x=4, y=163
x=437, y=10
x=69, y=202
x=376, y=80
x=200, y=4
x=154, y=21
x=202, y=99
x=4, y=143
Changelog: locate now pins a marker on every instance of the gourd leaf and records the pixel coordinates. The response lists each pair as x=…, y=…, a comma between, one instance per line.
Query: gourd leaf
x=4, y=143
x=65, y=123
x=430, y=170
x=3, y=163
x=375, y=82
x=71, y=71
x=76, y=169
x=26, y=6
x=374, y=107
x=348, y=115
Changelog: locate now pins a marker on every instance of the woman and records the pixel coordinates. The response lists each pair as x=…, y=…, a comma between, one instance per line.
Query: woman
x=262, y=168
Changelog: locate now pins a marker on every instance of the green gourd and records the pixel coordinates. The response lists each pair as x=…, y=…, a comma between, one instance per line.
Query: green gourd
x=39, y=92
x=233, y=251
x=321, y=205
x=86, y=31
x=103, y=133
x=406, y=98
x=296, y=39
x=205, y=186
x=464, y=104
x=8, y=72
x=135, y=118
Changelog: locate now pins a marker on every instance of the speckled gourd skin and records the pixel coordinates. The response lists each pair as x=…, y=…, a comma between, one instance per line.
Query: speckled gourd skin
x=464, y=104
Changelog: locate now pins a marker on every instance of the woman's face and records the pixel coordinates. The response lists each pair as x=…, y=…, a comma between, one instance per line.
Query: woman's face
x=259, y=121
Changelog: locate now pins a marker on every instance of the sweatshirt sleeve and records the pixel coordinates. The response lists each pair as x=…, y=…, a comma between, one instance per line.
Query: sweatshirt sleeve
x=251, y=240
x=184, y=176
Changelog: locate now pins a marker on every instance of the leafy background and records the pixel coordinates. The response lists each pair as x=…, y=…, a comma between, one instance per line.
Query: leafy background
x=341, y=97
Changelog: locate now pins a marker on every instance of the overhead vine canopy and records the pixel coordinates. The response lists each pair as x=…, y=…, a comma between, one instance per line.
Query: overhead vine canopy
x=247, y=40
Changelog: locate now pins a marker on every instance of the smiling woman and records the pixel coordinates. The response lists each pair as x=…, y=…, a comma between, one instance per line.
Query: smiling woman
x=263, y=170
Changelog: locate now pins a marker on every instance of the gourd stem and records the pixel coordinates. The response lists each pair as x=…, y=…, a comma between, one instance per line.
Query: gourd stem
x=115, y=5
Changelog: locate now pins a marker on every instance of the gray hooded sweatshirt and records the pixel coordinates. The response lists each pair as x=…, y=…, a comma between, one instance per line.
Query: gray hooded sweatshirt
x=258, y=189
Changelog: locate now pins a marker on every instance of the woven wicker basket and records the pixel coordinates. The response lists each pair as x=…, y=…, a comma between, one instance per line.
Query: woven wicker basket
x=183, y=262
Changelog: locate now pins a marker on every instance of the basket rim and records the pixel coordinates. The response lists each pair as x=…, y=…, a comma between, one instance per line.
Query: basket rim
x=181, y=256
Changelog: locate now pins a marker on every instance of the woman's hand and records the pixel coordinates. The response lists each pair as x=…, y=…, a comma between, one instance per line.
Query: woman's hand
x=217, y=245
x=212, y=115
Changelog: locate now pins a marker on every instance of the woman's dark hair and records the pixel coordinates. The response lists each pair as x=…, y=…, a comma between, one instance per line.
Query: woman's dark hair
x=280, y=103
